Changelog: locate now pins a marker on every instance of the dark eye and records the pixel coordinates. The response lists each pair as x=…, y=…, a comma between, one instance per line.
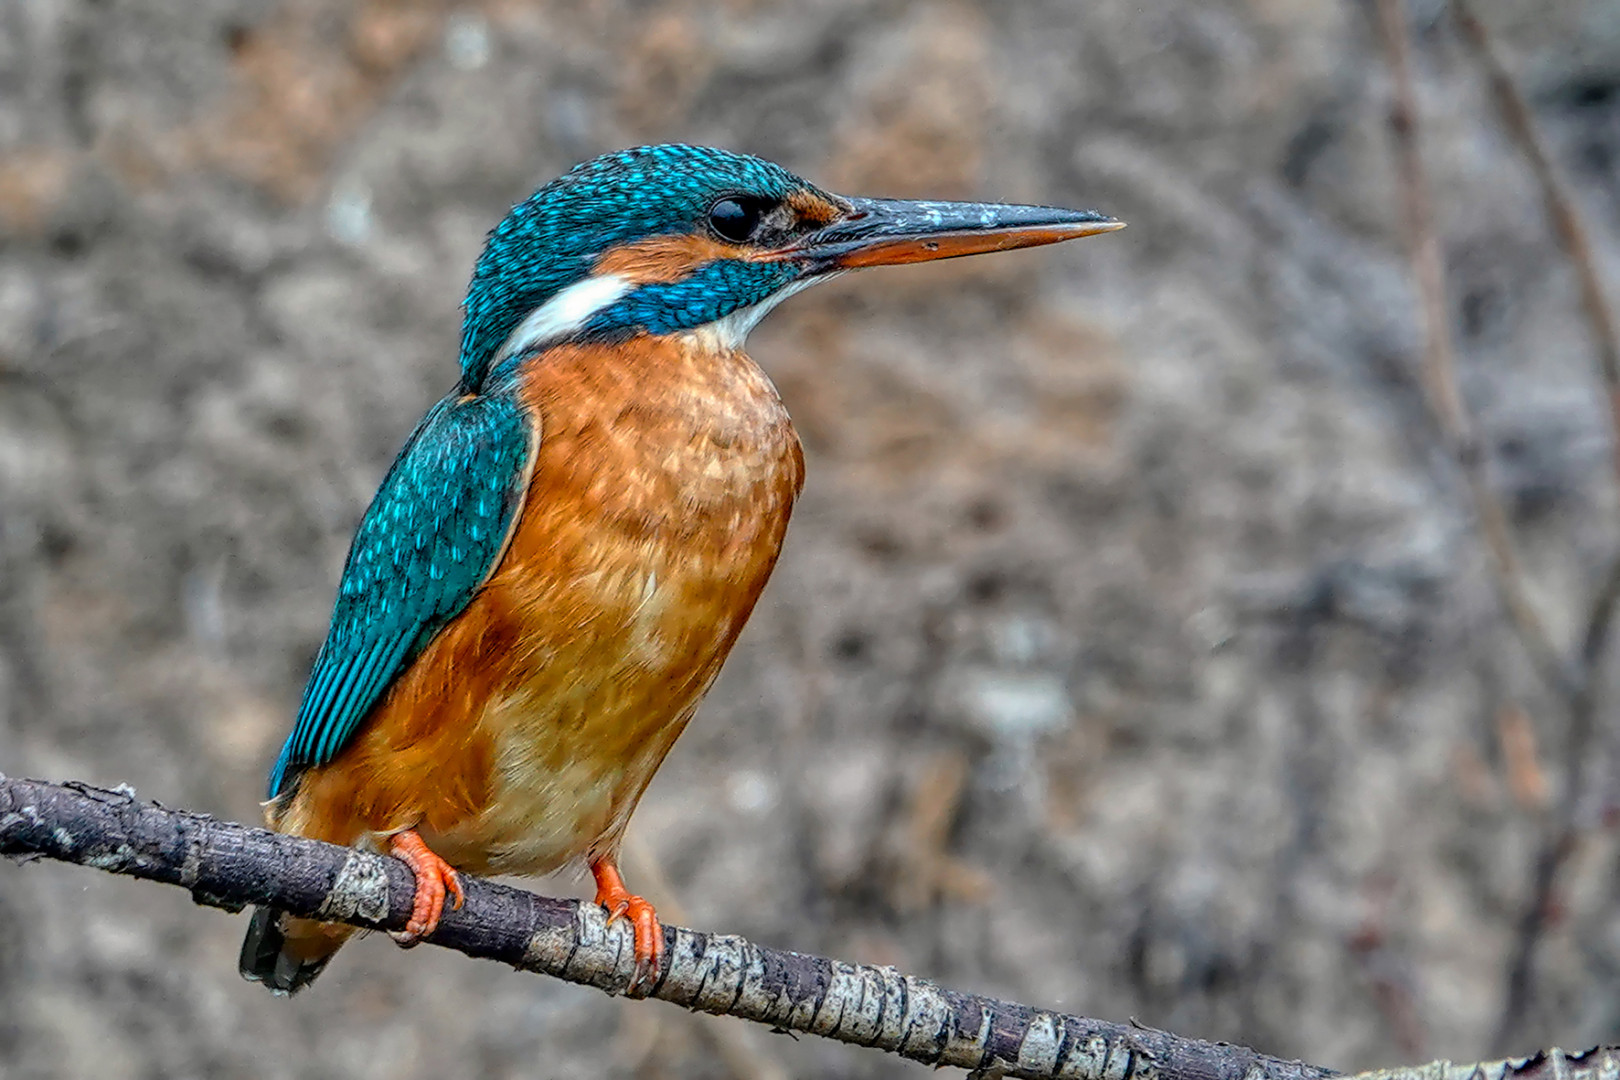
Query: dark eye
x=735, y=218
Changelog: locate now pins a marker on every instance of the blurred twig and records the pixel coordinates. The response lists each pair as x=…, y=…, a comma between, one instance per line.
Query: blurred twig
x=229, y=866
x=1561, y=208
x=1575, y=681
x=1440, y=366
x=1388, y=977
x=927, y=870
x=1563, y=837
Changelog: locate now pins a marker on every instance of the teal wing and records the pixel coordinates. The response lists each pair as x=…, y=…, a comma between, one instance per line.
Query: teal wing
x=431, y=537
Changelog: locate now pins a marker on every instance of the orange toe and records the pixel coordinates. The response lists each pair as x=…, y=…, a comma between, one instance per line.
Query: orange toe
x=619, y=901
x=434, y=878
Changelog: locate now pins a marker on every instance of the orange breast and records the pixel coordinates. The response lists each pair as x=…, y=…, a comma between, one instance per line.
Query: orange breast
x=526, y=731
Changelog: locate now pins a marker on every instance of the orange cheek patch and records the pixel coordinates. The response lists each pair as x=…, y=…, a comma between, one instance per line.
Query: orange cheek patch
x=664, y=258
x=813, y=210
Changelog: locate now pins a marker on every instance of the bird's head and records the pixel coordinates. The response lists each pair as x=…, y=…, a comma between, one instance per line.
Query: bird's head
x=665, y=239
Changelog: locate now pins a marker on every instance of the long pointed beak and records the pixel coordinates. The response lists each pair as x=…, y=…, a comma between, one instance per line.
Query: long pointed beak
x=885, y=232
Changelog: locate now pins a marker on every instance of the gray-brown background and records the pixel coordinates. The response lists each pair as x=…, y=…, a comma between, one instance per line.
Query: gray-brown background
x=1132, y=652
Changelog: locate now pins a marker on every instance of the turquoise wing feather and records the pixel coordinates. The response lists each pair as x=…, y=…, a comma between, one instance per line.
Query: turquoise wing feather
x=431, y=537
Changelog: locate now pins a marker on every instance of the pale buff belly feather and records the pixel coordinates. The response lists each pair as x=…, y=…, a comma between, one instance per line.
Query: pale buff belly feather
x=574, y=753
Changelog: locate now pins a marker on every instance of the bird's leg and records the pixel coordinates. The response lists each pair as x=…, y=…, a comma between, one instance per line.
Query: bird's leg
x=649, y=935
x=434, y=877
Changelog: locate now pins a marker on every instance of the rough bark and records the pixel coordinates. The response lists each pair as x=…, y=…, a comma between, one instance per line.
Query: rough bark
x=228, y=866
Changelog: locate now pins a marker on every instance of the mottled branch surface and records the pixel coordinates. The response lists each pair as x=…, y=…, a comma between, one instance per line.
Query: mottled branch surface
x=228, y=866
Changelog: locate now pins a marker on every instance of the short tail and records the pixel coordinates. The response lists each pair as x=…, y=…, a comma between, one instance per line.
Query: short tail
x=286, y=953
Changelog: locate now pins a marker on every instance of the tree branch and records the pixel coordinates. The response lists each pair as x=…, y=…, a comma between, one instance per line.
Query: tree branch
x=229, y=866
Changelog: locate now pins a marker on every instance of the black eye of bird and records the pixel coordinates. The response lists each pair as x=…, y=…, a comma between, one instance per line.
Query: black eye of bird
x=735, y=218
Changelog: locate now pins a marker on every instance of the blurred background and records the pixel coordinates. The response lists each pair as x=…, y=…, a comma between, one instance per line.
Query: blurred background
x=1134, y=651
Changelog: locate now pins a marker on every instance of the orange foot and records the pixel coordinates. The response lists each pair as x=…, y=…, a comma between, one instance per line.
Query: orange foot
x=611, y=894
x=433, y=877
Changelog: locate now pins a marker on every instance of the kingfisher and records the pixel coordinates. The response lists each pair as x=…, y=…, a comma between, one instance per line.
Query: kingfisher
x=559, y=560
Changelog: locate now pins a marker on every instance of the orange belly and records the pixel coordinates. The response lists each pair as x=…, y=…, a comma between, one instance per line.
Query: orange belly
x=526, y=731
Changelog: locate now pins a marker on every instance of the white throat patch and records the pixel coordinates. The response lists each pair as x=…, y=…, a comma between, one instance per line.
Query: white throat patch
x=729, y=332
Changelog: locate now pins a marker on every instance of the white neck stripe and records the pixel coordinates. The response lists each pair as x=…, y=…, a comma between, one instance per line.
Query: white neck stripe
x=563, y=314
x=569, y=310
